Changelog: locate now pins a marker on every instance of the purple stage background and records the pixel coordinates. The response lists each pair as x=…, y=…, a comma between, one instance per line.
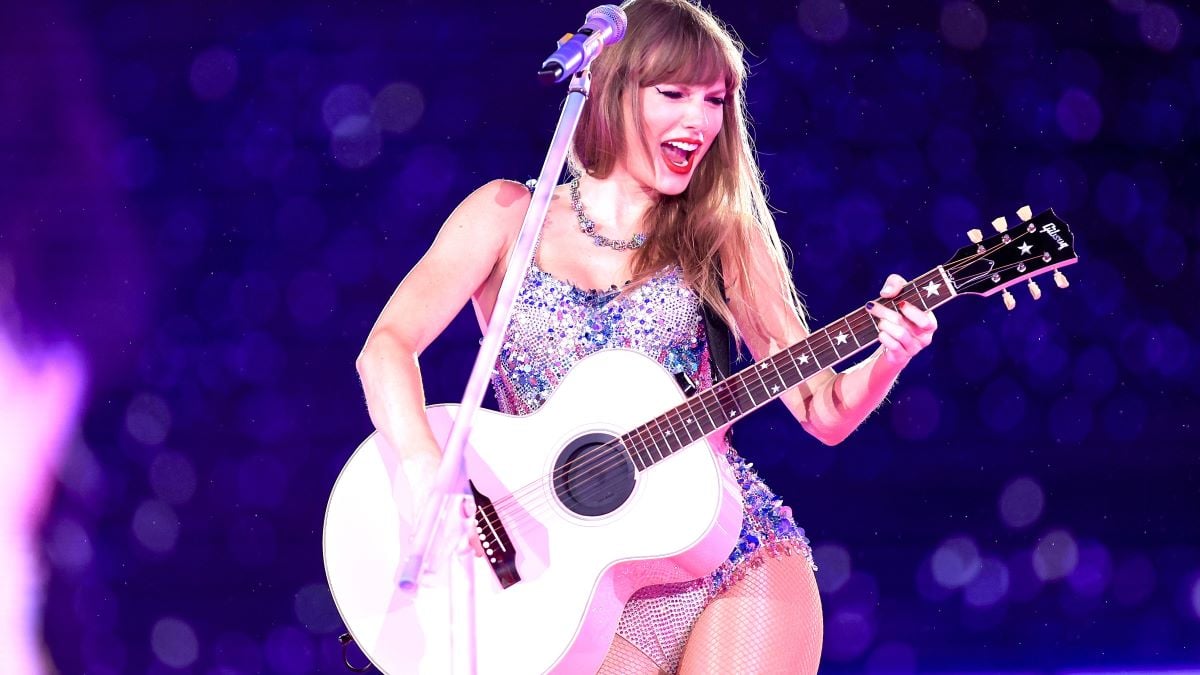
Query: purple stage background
x=213, y=201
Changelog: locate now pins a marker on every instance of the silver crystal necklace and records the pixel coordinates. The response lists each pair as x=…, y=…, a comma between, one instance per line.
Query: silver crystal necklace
x=589, y=228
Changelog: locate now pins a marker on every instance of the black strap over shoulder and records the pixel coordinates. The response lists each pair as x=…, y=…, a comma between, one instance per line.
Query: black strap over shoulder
x=718, y=335
x=719, y=341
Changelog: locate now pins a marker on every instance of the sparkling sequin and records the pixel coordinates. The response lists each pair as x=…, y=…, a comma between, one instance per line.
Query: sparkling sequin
x=554, y=325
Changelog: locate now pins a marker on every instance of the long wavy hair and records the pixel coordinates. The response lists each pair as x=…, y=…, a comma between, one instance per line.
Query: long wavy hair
x=723, y=212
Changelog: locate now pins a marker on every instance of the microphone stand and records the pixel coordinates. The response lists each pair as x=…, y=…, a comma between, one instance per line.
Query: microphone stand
x=451, y=498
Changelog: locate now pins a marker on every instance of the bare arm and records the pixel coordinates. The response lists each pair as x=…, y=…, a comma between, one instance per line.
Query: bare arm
x=830, y=405
x=467, y=252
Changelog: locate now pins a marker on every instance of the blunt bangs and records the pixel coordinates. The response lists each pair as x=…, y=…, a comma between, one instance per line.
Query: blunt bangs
x=687, y=51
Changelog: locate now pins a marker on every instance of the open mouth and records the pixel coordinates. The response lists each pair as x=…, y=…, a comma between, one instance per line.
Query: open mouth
x=678, y=154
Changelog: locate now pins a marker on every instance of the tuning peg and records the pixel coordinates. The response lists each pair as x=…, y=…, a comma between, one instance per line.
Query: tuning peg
x=1060, y=279
x=975, y=236
x=1025, y=214
x=1009, y=300
x=1000, y=224
x=1035, y=290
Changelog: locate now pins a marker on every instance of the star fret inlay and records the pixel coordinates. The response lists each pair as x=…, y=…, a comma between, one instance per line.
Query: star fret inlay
x=932, y=288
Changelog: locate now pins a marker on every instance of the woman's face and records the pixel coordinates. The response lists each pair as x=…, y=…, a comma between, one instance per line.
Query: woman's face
x=679, y=123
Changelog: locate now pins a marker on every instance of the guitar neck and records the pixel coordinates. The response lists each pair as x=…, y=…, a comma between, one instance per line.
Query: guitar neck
x=768, y=379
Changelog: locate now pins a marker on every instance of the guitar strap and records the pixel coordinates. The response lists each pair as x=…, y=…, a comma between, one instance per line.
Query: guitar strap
x=718, y=336
x=719, y=340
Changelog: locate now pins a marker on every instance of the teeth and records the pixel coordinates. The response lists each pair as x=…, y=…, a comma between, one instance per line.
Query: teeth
x=686, y=147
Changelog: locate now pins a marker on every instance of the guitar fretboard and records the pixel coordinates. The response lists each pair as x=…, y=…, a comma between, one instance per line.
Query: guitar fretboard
x=757, y=385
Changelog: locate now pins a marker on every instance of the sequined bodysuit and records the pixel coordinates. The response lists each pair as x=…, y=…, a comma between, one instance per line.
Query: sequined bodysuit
x=554, y=325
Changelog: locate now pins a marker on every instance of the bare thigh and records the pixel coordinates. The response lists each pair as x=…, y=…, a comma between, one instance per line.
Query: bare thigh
x=768, y=622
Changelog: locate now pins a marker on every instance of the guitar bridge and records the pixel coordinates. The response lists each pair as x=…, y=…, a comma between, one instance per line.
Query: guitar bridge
x=497, y=546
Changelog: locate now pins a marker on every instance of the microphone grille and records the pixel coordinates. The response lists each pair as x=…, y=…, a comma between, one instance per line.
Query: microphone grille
x=613, y=16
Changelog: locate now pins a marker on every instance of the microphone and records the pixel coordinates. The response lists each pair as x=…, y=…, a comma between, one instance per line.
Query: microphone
x=605, y=25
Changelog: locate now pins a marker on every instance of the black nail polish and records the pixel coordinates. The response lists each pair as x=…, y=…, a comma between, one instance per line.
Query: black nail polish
x=870, y=306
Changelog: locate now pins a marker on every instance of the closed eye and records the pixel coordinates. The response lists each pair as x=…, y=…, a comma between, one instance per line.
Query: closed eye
x=669, y=93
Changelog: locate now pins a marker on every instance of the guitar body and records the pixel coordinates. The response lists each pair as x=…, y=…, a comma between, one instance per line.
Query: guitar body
x=679, y=520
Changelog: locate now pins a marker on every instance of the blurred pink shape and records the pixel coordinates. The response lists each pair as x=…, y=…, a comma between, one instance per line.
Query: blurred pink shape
x=39, y=401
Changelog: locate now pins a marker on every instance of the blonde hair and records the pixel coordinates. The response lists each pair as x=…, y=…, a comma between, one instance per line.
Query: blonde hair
x=715, y=223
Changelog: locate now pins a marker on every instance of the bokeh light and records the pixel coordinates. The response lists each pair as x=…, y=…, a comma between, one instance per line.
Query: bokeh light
x=398, y=107
x=824, y=20
x=1093, y=573
x=315, y=610
x=343, y=102
x=356, y=141
x=956, y=562
x=148, y=419
x=1055, y=555
x=174, y=642
x=1021, y=503
x=1079, y=115
x=964, y=25
x=989, y=586
x=835, y=566
x=156, y=526
x=1160, y=26
x=848, y=635
x=173, y=477
x=69, y=547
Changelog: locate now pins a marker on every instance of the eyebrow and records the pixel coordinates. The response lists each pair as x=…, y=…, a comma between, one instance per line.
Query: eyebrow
x=690, y=87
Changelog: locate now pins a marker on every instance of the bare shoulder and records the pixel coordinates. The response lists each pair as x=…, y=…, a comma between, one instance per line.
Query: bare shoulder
x=496, y=198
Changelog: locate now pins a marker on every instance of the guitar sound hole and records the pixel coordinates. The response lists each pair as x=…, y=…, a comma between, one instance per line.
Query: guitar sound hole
x=593, y=475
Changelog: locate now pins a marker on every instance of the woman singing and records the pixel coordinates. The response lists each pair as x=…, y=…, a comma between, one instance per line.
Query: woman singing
x=665, y=215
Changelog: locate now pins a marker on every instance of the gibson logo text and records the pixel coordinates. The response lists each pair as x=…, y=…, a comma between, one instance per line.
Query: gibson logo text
x=1052, y=230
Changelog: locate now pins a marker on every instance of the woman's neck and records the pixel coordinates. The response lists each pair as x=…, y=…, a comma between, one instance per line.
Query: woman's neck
x=617, y=203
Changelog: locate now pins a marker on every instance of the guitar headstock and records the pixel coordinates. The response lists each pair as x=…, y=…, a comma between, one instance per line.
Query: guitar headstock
x=1037, y=245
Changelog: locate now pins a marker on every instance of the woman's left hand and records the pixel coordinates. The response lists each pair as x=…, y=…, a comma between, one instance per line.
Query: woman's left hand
x=905, y=332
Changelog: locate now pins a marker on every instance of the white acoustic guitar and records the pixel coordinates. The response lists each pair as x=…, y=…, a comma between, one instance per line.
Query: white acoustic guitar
x=611, y=486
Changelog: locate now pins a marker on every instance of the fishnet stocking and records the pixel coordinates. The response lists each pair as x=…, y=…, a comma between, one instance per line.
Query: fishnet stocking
x=767, y=622
x=625, y=659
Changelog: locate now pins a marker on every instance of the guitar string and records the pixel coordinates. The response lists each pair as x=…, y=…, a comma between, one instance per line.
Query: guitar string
x=954, y=267
x=605, y=460
x=601, y=454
